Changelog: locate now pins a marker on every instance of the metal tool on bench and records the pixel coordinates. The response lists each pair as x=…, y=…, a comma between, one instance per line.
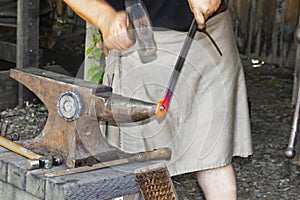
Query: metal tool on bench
x=163, y=153
x=75, y=108
x=290, y=151
x=35, y=161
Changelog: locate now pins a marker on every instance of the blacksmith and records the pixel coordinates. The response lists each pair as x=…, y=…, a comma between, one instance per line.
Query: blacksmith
x=208, y=120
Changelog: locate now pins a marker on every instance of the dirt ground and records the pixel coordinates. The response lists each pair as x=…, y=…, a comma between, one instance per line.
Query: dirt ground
x=267, y=174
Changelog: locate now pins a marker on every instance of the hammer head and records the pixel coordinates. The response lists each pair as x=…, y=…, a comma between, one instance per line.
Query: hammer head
x=44, y=162
x=142, y=26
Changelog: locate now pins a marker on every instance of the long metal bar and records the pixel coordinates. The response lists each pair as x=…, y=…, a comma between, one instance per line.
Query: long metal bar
x=158, y=154
x=290, y=150
x=163, y=105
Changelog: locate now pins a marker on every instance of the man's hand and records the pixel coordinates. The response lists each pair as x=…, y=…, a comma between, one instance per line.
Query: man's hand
x=115, y=33
x=112, y=24
x=203, y=9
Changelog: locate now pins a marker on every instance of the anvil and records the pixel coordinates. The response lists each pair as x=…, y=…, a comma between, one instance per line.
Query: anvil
x=75, y=107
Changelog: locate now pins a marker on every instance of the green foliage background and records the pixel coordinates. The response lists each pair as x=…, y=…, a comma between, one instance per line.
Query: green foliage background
x=95, y=73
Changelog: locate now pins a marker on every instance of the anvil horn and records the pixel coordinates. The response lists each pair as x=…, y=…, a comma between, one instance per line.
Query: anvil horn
x=107, y=106
x=119, y=109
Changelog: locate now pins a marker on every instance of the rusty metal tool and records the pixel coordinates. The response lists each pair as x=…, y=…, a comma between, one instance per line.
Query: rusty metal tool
x=158, y=154
x=290, y=151
x=75, y=108
x=35, y=161
x=142, y=28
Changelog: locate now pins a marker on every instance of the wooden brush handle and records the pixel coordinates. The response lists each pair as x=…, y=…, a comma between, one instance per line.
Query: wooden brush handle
x=157, y=154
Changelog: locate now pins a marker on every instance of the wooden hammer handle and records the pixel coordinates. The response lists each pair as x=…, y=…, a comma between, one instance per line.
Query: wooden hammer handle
x=18, y=149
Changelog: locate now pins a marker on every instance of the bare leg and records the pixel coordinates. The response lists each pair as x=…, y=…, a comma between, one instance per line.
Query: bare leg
x=218, y=183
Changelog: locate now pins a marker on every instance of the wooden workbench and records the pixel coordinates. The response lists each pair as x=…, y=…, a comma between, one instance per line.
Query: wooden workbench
x=16, y=183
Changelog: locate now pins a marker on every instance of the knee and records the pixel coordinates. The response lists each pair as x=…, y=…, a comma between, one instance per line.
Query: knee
x=218, y=183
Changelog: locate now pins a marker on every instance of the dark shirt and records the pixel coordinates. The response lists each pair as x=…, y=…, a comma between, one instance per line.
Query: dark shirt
x=171, y=14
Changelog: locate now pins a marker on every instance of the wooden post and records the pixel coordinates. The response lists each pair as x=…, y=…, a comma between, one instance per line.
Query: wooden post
x=27, y=37
x=250, y=28
x=89, y=61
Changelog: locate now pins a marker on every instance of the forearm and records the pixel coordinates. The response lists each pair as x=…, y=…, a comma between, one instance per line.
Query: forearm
x=95, y=12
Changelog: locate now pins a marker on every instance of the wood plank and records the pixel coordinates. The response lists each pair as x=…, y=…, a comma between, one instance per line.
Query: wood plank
x=292, y=11
x=9, y=192
x=27, y=38
x=8, y=91
x=266, y=33
x=14, y=176
x=3, y=171
x=105, y=183
x=8, y=51
x=16, y=170
x=28, y=33
x=289, y=52
x=239, y=9
x=3, y=165
x=35, y=184
x=8, y=25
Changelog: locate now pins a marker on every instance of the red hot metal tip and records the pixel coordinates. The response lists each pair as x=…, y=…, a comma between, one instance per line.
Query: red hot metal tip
x=162, y=106
x=160, y=110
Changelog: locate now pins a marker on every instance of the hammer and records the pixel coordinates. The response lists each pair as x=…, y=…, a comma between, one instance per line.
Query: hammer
x=35, y=161
x=142, y=28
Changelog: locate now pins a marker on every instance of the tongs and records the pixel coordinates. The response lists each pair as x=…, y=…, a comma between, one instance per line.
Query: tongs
x=163, y=105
